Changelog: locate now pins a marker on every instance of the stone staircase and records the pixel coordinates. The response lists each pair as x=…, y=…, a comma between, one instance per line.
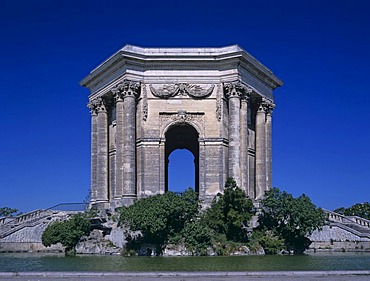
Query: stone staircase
x=356, y=225
x=23, y=232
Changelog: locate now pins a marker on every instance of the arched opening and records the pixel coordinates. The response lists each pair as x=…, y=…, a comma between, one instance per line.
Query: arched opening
x=181, y=170
x=183, y=137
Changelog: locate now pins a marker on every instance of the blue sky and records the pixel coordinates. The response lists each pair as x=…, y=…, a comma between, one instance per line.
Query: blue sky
x=320, y=49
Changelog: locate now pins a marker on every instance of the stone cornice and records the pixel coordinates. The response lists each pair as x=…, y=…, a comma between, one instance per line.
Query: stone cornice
x=176, y=56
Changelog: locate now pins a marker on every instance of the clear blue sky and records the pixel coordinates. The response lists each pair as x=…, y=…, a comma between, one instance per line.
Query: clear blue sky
x=320, y=49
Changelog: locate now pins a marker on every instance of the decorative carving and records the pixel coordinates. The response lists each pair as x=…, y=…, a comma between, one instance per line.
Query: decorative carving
x=219, y=103
x=266, y=105
x=237, y=88
x=125, y=89
x=182, y=89
x=196, y=119
x=145, y=103
x=97, y=105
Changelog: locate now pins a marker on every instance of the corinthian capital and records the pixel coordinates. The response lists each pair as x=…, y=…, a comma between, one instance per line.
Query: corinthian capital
x=237, y=89
x=126, y=88
x=266, y=105
x=97, y=105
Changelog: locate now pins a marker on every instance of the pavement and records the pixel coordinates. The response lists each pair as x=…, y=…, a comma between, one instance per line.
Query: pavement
x=187, y=276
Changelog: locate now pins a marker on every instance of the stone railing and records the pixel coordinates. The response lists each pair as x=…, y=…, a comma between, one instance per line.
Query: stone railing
x=335, y=217
x=360, y=221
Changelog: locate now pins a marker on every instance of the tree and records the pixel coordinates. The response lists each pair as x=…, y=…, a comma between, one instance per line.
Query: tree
x=160, y=216
x=360, y=210
x=7, y=212
x=230, y=213
x=68, y=232
x=291, y=218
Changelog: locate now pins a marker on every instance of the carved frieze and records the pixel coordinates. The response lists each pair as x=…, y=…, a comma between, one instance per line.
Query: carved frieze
x=181, y=89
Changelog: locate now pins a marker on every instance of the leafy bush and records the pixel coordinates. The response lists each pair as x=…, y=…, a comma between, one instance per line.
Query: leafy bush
x=230, y=213
x=161, y=216
x=291, y=219
x=271, y=243
x=360, y=210
x=68, y=232
x=7, y=212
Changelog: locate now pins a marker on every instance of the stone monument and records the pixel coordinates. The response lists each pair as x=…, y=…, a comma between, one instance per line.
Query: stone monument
x=147, y=102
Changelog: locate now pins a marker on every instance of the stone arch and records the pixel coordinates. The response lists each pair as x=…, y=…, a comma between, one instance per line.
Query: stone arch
x=182, y=135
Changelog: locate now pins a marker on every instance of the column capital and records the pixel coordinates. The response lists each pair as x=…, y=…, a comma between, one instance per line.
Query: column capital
x=237, y=89
x=266, y=106
x=126, y=88
x=97, y=105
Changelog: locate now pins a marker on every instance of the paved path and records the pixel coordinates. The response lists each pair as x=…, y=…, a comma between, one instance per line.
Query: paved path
x=187, y=276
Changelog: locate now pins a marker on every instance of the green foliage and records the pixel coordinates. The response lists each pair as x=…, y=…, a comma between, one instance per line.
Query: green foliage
x=68, y=232
x=360, y=210
x=230, y=213
x=272, y=244
x=196, y=237
x=161, y=216
x=291, y=218
x=7, y=212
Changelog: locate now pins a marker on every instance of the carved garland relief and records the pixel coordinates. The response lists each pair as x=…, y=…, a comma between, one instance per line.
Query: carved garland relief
x=181, y=89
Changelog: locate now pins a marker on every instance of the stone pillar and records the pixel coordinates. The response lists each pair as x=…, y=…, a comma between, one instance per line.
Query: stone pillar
x=118, y=192
x=234, y=136
x=94, y=150
x=269, y=110
x=102, y=153
x=244, y=161
x=260, y=150
x=238, y=131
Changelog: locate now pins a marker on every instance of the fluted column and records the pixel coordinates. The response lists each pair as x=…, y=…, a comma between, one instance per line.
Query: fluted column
x=125, y=94
x=118, y=192
x=244, y=163
x=238, y=92
x=102, y=152
x=261, y=150
x=94, y=150
x=234, y=135
x=269, y=109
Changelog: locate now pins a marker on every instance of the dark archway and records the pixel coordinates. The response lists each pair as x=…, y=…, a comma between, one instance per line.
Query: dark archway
x=183, y=136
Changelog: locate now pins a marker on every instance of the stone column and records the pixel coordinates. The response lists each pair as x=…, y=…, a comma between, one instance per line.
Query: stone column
x=269, y=110
x=244, y=161
x=238, y=132
x=118, y=192
x=94, y=150
x=234, y=135
x=130, y=91
x=102, y=152
x=260, y=150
